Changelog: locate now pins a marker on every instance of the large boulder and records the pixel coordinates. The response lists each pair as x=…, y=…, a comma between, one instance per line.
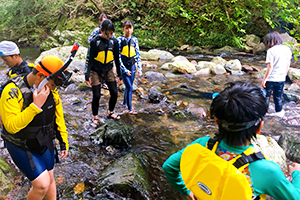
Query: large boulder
x=154, y=95
x=290, y=143
x=182, y=67
x=294, y=74
x=155, y=55
x=6, y=177
x=78, y=62
x=119, y=136
x=233, y=65
x=219, y=60
x=154, y=76
x=126, y=177
x=270, y=148
x=226, y=49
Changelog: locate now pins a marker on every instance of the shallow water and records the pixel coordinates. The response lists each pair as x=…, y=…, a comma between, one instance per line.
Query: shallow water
x=156, y=132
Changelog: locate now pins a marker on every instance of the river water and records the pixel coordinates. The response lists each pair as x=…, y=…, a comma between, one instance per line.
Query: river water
x=157, y=134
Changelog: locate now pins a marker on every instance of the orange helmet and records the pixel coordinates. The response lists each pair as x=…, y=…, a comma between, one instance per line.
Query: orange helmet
x=49, y=65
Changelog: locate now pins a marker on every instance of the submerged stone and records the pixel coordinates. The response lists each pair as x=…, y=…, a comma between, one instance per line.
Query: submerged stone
x=127, y=177
x=119, y=136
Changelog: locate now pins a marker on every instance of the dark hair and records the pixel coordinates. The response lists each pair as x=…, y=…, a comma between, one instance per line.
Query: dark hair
x=34, y=71
x=272, y=39
x=102, y=16
x=127, y=23
x=107, y=25
x=238, y=108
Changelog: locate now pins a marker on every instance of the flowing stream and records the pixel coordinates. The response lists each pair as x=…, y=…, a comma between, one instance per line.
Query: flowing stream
x=157, y=133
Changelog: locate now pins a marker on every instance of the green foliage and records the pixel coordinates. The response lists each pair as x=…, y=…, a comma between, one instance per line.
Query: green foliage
x=22, y=18
x=162, y=23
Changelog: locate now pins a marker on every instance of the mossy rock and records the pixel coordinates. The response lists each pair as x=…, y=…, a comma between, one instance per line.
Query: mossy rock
x=127, y=177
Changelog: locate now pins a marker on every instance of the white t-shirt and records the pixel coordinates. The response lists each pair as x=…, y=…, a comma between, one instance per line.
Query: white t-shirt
x=279, y=56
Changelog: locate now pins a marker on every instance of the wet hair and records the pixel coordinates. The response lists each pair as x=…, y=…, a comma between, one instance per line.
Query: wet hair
x=102, y=16
x=107, y=25
x=239, y=108
x=272, y=39
x=127, y=23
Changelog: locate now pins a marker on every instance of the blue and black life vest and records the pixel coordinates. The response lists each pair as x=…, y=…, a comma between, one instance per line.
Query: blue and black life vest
x=23, y=69
x=104, y=59
x=128, y=52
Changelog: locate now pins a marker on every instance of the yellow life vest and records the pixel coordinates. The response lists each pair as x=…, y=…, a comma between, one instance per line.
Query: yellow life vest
x=210, y=177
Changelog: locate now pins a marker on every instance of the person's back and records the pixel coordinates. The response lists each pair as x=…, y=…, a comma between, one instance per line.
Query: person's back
x=239, y=119
x=281, y=55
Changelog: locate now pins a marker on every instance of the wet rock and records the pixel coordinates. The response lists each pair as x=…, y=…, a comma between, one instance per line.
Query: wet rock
x=233, y=65
x=201, y=72
x=83, y=87
x=294, y=74
x=252, y=40
x=196, y=110
x=182, y=67
x=290, y=142
x=226, y=49
x=218, y=69
x=205, y=65
x=6, y=175
x=126, y=177
x=154, y=76
x=270, y=148
x=180, y=58
x=219, y=60
x=155, y=54
x=291, y=96
x=71, y=88
x=154, y=95
x=64, y=53
x=165, y=66
x=119, y=136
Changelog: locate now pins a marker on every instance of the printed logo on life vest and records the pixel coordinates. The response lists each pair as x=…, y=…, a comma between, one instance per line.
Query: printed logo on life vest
x=204, y=188
x=49, y=107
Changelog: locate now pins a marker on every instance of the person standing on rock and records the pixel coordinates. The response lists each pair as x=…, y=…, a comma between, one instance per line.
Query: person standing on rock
x=31, y=121
x=239, y=119
x=10, y=54
x=278, y=61
x=130, y=58
x=103, y=52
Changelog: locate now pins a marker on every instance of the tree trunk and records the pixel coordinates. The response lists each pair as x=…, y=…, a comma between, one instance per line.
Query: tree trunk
x=98, y=5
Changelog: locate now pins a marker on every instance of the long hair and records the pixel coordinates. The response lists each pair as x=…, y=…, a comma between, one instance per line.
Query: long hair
x=239, y=108
x=272, y=39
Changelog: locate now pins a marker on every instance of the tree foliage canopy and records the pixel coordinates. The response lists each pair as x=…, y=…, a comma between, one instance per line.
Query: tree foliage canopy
x=163, y=23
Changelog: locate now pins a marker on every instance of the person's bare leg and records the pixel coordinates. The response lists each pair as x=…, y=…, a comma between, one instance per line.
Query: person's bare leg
x=40, y=186
x=51, y=193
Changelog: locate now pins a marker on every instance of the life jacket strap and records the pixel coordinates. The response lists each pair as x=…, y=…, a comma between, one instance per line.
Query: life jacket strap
x=244, y=159
x=31, y=162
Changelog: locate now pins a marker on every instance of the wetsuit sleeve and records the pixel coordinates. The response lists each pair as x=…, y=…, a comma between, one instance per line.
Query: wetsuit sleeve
x=60, y=122
x=116, y=56
x=95, y=32
x=13, y=117
x=268, y=178
x=138, y=54
x=171, y=168
x=122, y=66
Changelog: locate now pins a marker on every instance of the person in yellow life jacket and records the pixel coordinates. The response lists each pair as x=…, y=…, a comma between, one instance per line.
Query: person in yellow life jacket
x=10, y=54
x=99, y=70
x=238, y=111
x=130, y=62
x=31, y=121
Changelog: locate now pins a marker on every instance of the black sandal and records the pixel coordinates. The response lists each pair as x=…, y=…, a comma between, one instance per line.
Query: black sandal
x=112, y=115
x=94, y=123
